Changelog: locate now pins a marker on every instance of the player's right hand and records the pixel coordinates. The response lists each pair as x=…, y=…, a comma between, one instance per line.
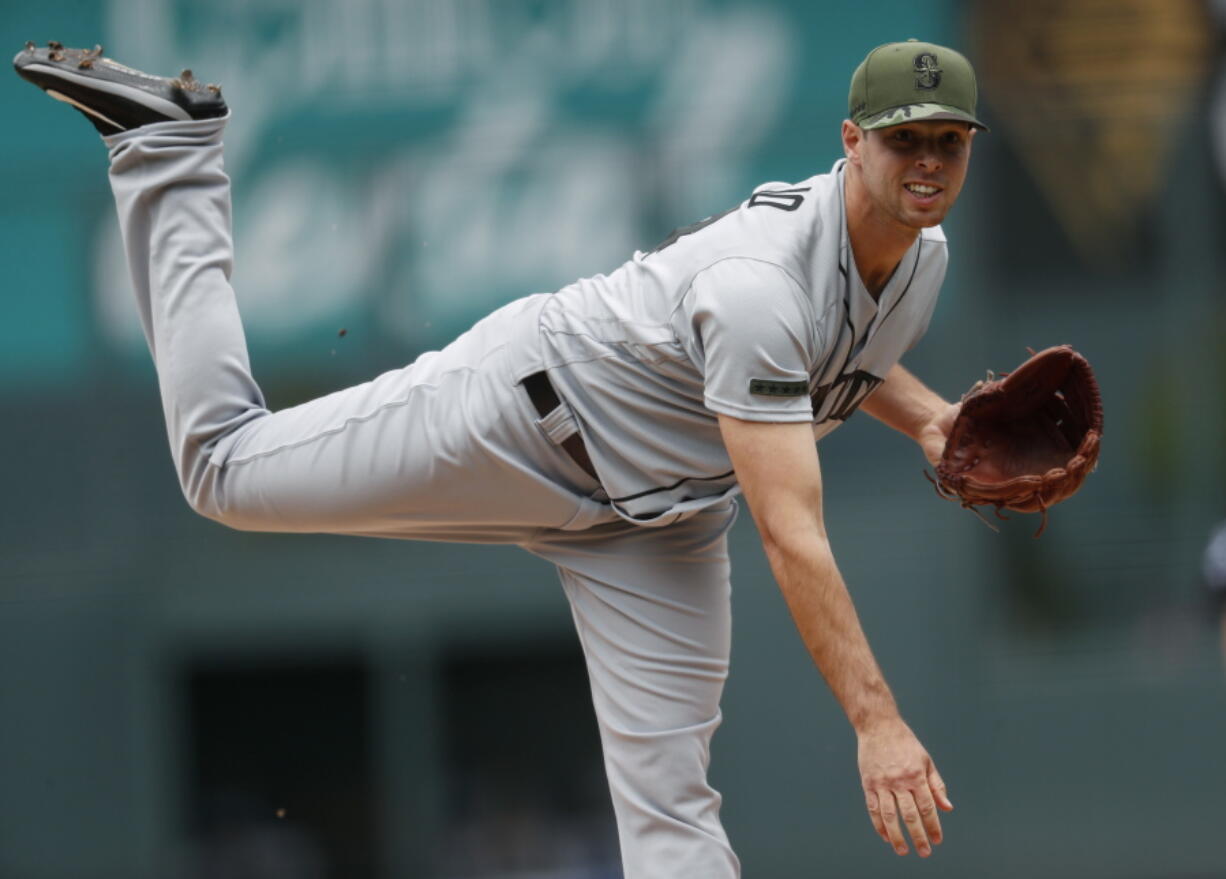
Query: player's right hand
x=901, y=782
x=932, y=436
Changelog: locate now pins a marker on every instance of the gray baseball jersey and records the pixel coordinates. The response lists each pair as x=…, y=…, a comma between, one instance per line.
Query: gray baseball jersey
x=758, y=313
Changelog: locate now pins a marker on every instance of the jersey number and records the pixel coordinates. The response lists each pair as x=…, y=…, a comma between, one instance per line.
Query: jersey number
x=783, y=199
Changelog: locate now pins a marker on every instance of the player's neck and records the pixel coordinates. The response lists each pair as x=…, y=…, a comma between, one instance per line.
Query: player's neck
x=878, y=242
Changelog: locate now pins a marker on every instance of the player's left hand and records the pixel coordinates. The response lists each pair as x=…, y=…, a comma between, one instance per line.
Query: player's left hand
x=901, y=781
x=932, y=436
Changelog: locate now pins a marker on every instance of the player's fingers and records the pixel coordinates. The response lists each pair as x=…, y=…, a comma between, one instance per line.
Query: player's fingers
x=928, y=814
x=937, y=786
x=889, y=819
x=874, y=814
x=909, y=812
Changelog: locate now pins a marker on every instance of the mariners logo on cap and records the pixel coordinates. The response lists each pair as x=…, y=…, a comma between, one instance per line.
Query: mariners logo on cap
x=928, y=74
x=910, y=82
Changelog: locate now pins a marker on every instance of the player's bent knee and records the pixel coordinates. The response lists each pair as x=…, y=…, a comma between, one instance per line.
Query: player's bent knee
x=233, y=517
x=205, y=504
x=204, y=494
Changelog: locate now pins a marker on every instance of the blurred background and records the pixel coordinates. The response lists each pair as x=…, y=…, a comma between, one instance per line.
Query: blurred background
x=179, y=700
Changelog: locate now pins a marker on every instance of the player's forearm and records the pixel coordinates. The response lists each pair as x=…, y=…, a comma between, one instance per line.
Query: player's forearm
x=904, y=403
x=828, y=624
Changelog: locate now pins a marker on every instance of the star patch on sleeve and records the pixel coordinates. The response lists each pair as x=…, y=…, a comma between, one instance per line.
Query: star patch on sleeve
x=772, y=388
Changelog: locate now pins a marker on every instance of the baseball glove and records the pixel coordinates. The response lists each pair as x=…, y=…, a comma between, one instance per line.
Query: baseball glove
x=1027, y=440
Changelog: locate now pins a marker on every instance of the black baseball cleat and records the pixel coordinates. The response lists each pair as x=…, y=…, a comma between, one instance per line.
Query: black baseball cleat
x=113, y=97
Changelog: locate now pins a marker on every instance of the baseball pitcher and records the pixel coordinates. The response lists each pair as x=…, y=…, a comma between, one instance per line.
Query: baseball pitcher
x=608, y=427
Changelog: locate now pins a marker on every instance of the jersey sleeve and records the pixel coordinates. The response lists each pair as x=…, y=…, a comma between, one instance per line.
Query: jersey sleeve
x=756, y=336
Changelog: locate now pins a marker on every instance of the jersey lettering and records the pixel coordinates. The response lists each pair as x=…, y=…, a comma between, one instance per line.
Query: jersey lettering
x=842, y=397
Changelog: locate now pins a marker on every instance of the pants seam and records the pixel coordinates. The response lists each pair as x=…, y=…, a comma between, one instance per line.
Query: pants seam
x=353, y=419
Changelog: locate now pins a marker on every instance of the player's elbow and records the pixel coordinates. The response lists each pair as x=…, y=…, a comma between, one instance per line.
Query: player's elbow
x=790, y=532
x=796, y=549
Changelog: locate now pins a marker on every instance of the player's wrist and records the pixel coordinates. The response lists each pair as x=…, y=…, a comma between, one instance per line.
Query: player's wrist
x=930, y=415
x=936, y=422
x=876, y=710
x=878, y=724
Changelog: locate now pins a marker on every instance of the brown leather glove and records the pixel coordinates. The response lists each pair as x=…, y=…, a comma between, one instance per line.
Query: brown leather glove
x=1027, y=440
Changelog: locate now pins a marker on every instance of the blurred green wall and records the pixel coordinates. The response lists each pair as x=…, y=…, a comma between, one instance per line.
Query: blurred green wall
x=400, y=168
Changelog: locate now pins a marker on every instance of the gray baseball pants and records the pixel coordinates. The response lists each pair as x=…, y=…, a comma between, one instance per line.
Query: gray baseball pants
x=447, y=448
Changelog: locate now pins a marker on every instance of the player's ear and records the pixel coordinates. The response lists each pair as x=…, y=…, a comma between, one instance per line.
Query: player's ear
x=853, y=138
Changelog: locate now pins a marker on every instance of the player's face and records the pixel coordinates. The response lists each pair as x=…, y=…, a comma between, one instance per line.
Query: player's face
x=912, y=172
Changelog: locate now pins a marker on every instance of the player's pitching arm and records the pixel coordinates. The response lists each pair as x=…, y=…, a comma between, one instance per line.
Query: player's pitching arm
x=777, y=467
x=906, y=404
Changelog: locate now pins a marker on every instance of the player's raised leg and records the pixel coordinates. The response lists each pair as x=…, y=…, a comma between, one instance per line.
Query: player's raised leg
x=652, y=608
x=444, y=448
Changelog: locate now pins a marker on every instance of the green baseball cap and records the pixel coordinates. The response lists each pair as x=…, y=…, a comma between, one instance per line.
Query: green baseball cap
x=911, y=82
